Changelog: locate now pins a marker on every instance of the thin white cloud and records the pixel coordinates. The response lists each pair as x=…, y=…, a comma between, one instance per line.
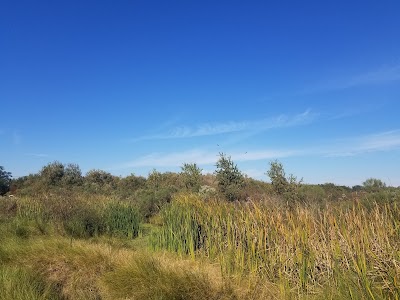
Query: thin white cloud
x=209, y=129
x=38, y=155
x=384, y=141
x=200, y=157
x=380, y=76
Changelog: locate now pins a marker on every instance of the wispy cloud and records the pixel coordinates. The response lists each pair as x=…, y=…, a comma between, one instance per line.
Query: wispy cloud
x=385, y=141
x=38, y=155
x=201, y=157
x=209, y=129
x=380, y=76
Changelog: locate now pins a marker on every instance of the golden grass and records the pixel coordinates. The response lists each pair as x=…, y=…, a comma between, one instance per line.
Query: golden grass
x=304, y=250
x=216, y=250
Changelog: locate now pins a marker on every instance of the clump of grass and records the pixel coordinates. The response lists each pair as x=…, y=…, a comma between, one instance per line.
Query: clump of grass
x=121, y=219
x=21, y=284
x=74, y=268
x=145, y=277
x=75, y=216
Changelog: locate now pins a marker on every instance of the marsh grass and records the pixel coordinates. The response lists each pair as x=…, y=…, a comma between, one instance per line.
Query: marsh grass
x=146, y=277
x=351, y=251
x=17, y=283
x=89, y=269
x=216, y=250
x=73, y=215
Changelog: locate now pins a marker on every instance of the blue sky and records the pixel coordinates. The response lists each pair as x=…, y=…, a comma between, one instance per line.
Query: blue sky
x=129, y=86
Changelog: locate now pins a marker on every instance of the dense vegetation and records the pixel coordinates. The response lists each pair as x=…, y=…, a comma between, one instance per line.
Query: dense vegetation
x=185, y=235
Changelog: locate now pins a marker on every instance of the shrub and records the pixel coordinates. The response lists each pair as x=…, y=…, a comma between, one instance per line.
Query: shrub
x=5, y=180
x=191, y=174
x=230, y=180
x=288, y=188
x=85, y=222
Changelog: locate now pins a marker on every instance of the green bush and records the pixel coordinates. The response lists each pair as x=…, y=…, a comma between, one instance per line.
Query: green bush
x=230, y=180
x=5, y=181
x=85, y=223
x=150, y=201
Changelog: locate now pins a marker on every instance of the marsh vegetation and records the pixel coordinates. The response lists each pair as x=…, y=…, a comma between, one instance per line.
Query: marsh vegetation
x=192, y=236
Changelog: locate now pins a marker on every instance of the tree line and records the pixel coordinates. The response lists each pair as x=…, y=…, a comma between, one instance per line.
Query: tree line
x=227, y=182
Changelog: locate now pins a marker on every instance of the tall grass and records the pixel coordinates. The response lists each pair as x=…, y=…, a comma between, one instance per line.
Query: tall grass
x=52, y=268
x=121, y=219
x=74, y=215
x=148, y=278
x=20, y=284
x=351, y=251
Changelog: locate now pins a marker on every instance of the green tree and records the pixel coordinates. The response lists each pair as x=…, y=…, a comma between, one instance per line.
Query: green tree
x=52, y=174
x=99, y=180
x=191, y=174
x=154, y=180
x=278, y=177
x=5, y=181
x=230, y=180
x=374, y=184
x=287, y=187
x=72, y=175
x=128, y=185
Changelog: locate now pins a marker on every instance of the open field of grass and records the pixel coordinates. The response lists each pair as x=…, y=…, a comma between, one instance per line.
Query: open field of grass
x=58, y=247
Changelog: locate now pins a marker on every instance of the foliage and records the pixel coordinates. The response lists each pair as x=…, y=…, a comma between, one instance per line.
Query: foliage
x=128, y=185
x=230, y=180
x=149, y=201
x=5, y=180
x=277, y=176
x=154, y=180
x=72, y=175
x=373, y=184
x=85, y=222
x=100, y=181
x=287, y=187
x=52, y=173
x=191, y=174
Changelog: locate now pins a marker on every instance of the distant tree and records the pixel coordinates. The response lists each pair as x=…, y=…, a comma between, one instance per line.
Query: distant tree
x=5, y=180
x=52, y=174
x=288, y=187
x=374, y=184
x=72, y=175
x=131, y=183
x=191, y=174
x=230, y=180
x=278, y=177
x=357, y=188
x=99, y=180
x=154, y=180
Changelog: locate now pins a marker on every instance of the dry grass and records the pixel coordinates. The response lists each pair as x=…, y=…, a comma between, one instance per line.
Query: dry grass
x=217, y=250
x=352, y=252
